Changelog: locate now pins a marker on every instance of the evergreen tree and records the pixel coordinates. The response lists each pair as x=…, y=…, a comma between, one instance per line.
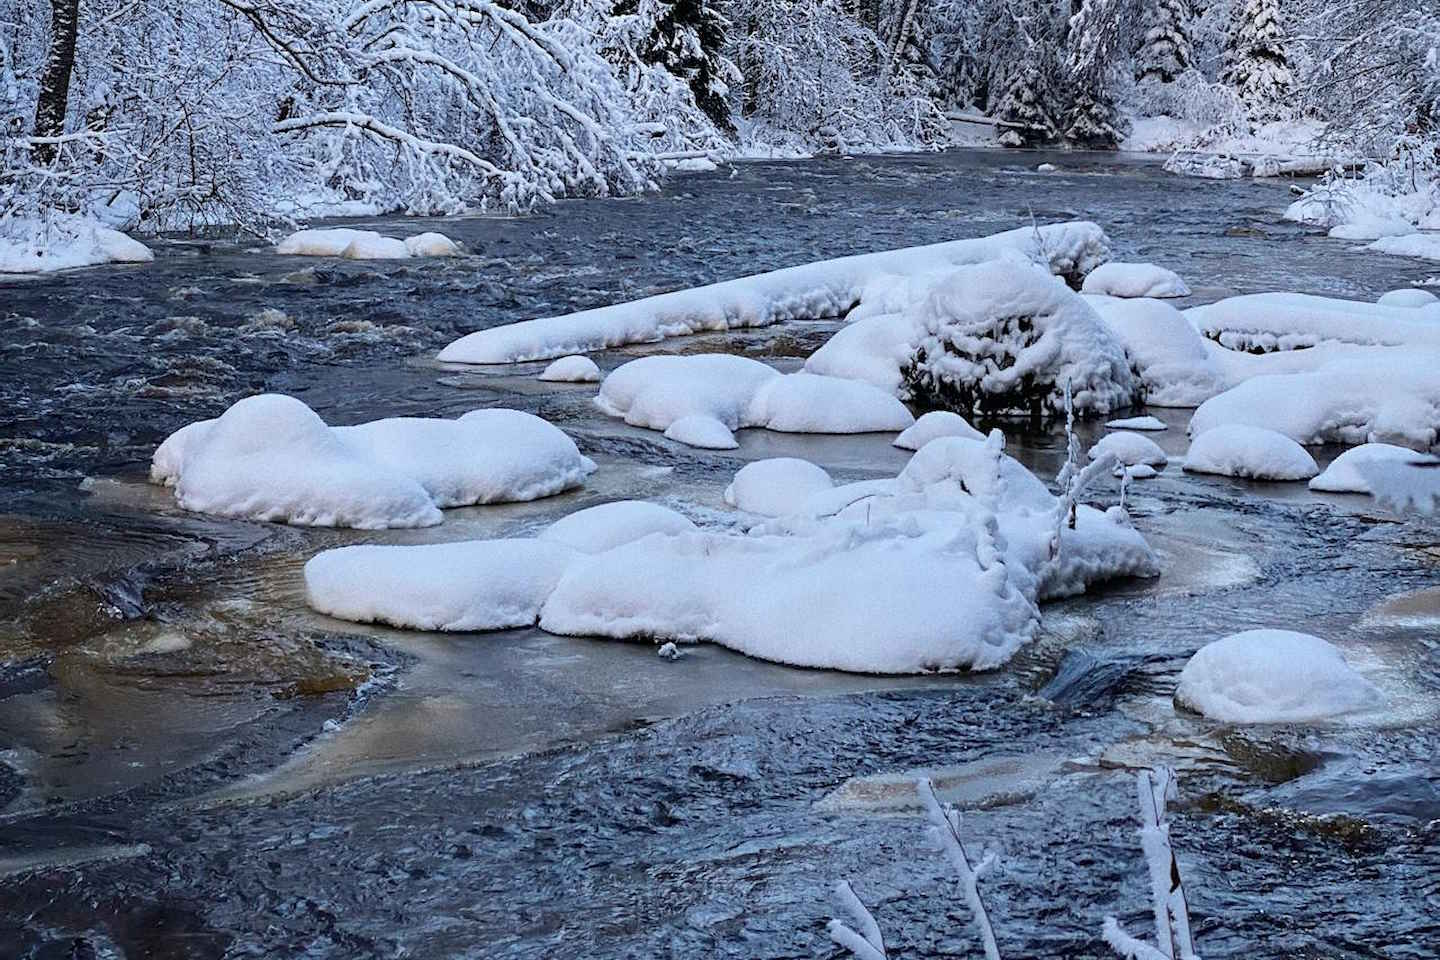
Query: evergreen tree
x=1098, y=32
x=688, y=41
x=1024, y=102
x=1165, y=50
x=1091, y=122
x=1256, y=65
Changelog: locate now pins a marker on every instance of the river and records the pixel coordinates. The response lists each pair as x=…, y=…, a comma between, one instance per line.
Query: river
x=192, y=764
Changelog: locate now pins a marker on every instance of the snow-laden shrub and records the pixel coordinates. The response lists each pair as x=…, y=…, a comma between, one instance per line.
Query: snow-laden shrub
x=1006, y=338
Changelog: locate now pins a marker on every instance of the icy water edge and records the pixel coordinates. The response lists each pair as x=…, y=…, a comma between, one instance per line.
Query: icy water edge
x=193, y=765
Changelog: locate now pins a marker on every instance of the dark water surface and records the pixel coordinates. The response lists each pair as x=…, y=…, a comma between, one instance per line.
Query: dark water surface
x=194, y=765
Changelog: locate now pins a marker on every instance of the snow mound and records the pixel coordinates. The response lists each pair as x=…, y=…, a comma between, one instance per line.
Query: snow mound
x=1140, y=471
x=596, y=529
x=1137, y=423
x=1272, y=676
x=270, y=457
x=571, y=369
x=1175, y=364
x=776, y=487
x=1117, y=279
x=473, y=585
x=1130, y=449
x=432, y=245
x=657, y=392
x=1361, y=396
x=28, y=246
x=702, y=432
x=1253, y=452
x=1264, y=322
x=932, y=426
x=1004, y=337
x=376, y=247
x=826, y=289
x=364, y=245
x=1422, y=246
x=1346, y=474
x=487, y=456
x=1408, y=297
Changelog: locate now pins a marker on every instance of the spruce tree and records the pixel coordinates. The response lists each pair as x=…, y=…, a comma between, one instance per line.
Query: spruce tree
x=1255, y=62
x=1098, y=32
x=1091, y=122
x=688, y=41
x=1024, y=102
x=1165, y=50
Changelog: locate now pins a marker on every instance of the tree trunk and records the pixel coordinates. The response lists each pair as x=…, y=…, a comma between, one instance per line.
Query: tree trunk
x=55, y=81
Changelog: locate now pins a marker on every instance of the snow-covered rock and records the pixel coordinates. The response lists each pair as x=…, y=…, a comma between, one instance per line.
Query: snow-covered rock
x=932, y=426
x=432, y=244
x=1236, y=450
x=30, y=246
x=1129, y=449
x=1422, y=246
x=660, y=391
x=1117, y=279
x=1408, y=297
x=1263, y=322
x=270, y=457
x=1358, y=396
x=1175, y=364
x=368, y=246
x=595, y=529
x=572, y=369
x=1153, y=424
x=776, y=487
x=1345, y=473
x=826, y=289
x=1140, y=471
x=322, y=243
x=1272, y=676
x=471, y=585
x=487, y=456
x=702, y=432
x=1005, y=338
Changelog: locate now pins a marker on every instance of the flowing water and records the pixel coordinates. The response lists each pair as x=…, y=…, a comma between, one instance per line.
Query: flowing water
x=192, y=764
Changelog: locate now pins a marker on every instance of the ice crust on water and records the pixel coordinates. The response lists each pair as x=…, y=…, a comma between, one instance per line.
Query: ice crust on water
x=270, y=457
x=826, y=289
x=660, y=391
x=571, y=369
x=941, y=567
x=1346, y=473
x=775, y=487
x=1272, y=676
x=1255, y=453
x=1118, y=279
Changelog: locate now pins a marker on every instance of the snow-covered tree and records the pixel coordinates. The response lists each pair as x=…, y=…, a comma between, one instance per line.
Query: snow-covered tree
x=1027, y=103
x=1096, y=41
x=1164, y=52
x=1256, y=62
x=1091, y=121
x=688, y=39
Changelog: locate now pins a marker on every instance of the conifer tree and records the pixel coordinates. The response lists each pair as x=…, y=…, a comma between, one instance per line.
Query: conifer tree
x=1025, y=103
x=688, y=41
x=1256, y=64
x=1165, y=50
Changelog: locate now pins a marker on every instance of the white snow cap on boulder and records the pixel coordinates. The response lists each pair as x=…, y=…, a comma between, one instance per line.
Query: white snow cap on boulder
x=270, y=457
x=368, y=246
x=1118, y=279
x=1175, y=362
x=812, y=291
x=1272, y=676
x=1130, y=449
x=1409, y=297
x=1346, y=474
x=30, y=246
x=776, y=487
x=471, y=585
x=1154, y=424
x=1251, y=452
x=364, y=245
x=932, y=426
x=595, y=529
x=572, y=369
x=658, y=391
x=432, y=244
x=702, y=432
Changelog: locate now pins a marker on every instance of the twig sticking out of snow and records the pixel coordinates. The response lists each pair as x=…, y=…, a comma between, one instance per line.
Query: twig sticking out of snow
x=947, y=826
x=869, y=944
x=1172, y=913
